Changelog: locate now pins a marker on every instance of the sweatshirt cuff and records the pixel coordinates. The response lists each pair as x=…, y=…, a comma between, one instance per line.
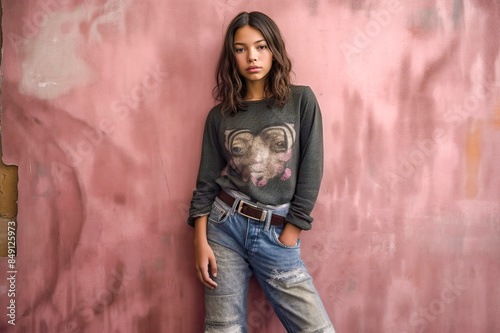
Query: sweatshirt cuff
x=299, y=223
x=191, y=219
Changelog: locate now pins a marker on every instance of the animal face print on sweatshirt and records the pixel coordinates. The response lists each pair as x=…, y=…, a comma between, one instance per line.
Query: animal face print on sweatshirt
x=260, y=156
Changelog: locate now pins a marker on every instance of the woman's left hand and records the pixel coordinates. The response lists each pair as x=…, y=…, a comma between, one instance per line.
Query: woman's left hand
x=290, y=235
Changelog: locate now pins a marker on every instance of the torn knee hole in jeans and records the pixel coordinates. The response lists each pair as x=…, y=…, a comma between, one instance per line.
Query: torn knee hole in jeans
x=288, y=278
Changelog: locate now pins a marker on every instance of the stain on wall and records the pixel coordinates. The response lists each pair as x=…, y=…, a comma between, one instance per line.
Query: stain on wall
x=103, y=106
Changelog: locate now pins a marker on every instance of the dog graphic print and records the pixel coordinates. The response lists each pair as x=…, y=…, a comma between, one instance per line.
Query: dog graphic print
x=262, y=155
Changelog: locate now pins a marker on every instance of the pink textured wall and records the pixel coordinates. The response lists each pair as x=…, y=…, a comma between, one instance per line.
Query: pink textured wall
x=103, y=105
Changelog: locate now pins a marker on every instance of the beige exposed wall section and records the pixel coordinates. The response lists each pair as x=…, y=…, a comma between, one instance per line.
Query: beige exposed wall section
x=8, y=202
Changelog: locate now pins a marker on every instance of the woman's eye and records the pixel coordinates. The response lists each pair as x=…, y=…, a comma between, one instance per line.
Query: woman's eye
x=262, y=47
x=239, y=50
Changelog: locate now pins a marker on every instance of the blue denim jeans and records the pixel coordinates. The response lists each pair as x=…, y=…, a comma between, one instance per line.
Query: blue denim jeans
x=243, y=247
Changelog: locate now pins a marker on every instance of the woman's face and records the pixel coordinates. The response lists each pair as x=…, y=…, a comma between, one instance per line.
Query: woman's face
x=253, y=57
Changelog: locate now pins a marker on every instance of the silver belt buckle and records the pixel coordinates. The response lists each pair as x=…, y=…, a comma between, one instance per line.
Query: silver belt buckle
x=262, y=217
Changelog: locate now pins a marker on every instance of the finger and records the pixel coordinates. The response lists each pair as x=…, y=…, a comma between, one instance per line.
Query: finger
x=202, y=274
x=207, y=281
x=213, y=265
x=200, y=277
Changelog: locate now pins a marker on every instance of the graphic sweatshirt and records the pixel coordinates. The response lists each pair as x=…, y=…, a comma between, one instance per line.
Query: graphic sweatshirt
x=273, y=154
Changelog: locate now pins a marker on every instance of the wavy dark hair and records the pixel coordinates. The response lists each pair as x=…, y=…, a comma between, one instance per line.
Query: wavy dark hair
x=231, y=87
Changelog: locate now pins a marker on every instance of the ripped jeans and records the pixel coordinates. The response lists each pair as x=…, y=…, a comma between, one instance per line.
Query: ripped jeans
x=243, y=247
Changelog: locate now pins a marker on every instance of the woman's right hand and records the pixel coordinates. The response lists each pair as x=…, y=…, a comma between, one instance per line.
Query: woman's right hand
x=204, y=255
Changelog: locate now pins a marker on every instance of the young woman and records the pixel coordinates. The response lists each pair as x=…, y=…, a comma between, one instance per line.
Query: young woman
x=260, y=172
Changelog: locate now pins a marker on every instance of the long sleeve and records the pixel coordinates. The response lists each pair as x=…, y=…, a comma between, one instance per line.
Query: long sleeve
x=310, y=169
x=211, y=164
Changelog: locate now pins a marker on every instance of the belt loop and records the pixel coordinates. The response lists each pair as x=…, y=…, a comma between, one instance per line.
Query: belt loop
x=267, y=226
x=235, y=205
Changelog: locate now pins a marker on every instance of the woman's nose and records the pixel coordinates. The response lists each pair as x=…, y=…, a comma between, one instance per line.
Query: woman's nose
x=252, y=56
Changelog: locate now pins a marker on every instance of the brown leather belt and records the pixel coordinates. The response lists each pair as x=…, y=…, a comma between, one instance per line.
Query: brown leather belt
x=248, y=210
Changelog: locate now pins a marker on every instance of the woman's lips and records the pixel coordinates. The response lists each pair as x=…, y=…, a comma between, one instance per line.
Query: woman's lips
x=253, y=69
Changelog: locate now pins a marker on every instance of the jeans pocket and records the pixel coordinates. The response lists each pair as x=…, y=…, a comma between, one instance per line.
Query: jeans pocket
x=218, y=214
x=276, y=232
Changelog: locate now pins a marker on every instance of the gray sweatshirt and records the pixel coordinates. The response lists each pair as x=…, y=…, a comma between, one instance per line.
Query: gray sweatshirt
x=273, y=155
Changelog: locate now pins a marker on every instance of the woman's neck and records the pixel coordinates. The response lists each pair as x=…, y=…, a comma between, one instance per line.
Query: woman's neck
x=255, y=91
